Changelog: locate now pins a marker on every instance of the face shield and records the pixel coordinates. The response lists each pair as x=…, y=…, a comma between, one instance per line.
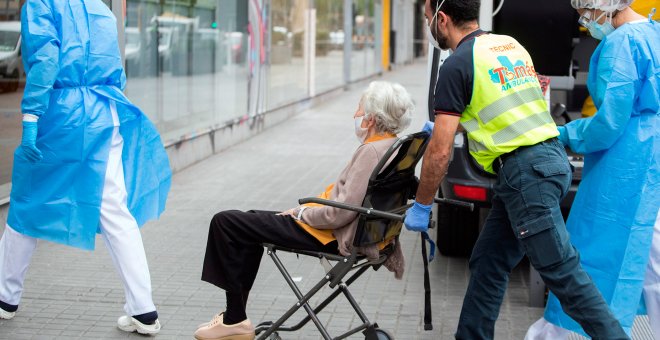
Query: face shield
x=597, y=30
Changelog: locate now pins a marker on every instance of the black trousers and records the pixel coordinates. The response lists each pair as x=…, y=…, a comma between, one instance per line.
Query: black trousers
x=234, y=250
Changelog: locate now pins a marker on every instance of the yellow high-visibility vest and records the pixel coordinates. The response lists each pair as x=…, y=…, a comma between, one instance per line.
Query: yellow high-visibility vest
x=507, y=109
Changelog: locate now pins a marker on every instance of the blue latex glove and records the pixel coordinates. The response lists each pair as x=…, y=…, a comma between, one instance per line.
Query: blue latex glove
x=29, y=141
x=418, y=217
x=563, y=136
x=428, y=127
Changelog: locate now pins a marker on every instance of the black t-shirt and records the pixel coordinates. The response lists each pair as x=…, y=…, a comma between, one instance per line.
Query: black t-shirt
x=453, y=90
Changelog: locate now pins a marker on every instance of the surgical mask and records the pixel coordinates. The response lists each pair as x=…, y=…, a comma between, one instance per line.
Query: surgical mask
x=360, y=132
x=429, y=32
x=597, y=30
x=431, y=38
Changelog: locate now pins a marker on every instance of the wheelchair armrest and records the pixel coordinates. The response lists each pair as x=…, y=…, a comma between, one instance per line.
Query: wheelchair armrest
x=361, y=210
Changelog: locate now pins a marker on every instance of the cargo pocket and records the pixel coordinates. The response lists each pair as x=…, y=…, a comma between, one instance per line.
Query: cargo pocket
x=541, y=241
x=554, y=181
x=548, y=169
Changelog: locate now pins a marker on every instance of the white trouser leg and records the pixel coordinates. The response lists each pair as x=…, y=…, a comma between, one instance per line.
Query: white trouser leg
x=544, y=330
x=122, y=236
x=15, y=253
x=652, y=282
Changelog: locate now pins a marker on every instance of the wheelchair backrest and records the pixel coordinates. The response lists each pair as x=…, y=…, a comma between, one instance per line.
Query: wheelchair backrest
x=391, y=185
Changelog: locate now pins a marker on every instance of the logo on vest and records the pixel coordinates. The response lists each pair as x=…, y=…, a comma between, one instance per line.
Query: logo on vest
x=511, y=75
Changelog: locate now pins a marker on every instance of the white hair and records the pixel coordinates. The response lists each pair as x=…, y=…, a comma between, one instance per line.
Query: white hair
x=389, y=104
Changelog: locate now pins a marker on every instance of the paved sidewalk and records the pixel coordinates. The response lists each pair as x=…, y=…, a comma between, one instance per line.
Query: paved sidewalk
x=71, y=293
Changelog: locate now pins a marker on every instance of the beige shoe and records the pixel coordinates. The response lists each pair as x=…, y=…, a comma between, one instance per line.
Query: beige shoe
x=217, y=330
x=216, y=317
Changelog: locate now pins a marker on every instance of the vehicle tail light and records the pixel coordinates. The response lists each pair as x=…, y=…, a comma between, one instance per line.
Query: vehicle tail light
x=472, y=193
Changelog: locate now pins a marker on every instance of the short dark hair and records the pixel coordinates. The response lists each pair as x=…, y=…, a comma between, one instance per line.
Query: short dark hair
x=460, y=11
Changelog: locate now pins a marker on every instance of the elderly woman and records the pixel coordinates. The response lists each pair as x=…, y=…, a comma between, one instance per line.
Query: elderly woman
x=234, y=249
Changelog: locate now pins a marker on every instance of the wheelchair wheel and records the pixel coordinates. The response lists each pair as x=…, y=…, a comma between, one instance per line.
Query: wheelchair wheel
x=274, y=336
x=382, y=334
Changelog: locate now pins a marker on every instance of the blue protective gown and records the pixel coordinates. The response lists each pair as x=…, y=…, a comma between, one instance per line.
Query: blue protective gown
x=612, y=218
x=74, y=70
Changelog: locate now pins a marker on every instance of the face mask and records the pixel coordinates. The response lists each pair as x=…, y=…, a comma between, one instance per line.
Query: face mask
x=360, y=132
x=429, y=35
x=598, y=31
x=442, y=45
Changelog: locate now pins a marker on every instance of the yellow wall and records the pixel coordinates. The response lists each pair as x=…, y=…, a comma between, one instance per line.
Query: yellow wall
x=387, y=13
x=644, y=7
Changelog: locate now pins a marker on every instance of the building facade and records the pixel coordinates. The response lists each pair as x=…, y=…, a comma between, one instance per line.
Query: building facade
x=210, y=73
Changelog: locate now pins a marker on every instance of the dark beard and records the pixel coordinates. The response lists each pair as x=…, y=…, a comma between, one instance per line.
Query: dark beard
x=442, y=41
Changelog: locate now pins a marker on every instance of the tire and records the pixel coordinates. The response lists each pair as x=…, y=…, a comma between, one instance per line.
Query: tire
x=274, y=336
x=382, y=334
x=12, y=86
x=457, y=230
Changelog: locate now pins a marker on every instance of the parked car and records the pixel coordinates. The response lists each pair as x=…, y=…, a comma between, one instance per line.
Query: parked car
x=132, y=50
x=165, y=43
x=458, y=228
x=555, y=55
x=11, y=65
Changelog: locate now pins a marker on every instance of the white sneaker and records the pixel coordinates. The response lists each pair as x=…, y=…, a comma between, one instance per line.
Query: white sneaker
x=6, y=315
x=130, y=324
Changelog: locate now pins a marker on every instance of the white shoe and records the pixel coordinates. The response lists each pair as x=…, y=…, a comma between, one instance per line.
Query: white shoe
x=130, y=324
x=6, y=315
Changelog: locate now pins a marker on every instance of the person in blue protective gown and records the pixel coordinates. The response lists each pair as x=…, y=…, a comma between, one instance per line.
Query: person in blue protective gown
x=89, y=161
x=614, y=219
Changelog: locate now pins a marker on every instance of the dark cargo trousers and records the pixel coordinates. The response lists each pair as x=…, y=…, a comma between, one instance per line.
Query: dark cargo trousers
x=526, y=220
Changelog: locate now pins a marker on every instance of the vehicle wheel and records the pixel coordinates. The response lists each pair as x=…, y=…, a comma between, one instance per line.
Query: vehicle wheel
x=382, y=334
x=457, y=230
x=12, y=86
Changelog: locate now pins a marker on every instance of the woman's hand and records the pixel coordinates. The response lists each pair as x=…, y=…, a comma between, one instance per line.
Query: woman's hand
x=291, y=212
x=296, y=212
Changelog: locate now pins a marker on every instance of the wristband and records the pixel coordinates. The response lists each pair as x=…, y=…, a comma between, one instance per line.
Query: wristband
x=300, y=212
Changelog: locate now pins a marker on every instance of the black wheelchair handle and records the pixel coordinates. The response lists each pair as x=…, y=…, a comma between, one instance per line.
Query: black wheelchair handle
x=361, y=210
x=462, y=204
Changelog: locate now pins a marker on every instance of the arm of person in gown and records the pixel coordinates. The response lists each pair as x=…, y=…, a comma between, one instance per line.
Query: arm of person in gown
x=616, y=82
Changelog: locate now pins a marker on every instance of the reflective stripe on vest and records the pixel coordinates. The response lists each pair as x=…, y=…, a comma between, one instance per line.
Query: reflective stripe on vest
x=507, y=109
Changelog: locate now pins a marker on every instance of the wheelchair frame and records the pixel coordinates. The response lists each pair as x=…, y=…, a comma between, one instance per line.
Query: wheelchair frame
x=334, y=278
x=336, y=273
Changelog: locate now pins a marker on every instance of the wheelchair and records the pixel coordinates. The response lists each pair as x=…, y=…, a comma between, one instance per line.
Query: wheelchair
x=391, y=185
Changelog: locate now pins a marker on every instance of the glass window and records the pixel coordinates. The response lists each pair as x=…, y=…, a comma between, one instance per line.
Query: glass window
x=329, y=70
x=9, y=40
x=288, y=78
x=186, y=62
x=363, y=55
x=197, y=64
